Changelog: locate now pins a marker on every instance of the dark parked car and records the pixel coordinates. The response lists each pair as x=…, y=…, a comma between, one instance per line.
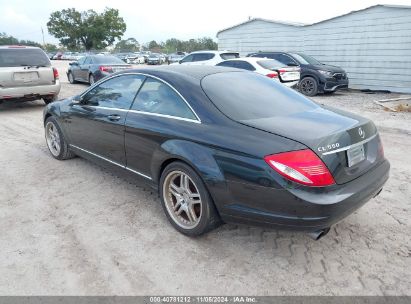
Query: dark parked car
x=315, y=76
x=92, y=68
x=281, y=160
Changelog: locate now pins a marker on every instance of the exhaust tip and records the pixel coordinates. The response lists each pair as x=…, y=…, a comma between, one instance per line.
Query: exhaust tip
x=316, y=235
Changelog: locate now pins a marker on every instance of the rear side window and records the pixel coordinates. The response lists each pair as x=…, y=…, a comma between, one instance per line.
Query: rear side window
x=247, y=96
x=188, y=58
x=158, y=98
x=14, y=57
x=116, y=93
x=239, y=64
x=270, y=64
x=226, y=56
x=203, y=56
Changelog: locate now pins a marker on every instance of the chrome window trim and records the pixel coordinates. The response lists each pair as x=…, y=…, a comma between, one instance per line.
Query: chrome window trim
x=145, y=113
x=110, y=161
x=351, y=146
x=198, y=120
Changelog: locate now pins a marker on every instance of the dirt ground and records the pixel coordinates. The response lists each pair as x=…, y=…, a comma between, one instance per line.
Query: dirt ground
x=72, y=228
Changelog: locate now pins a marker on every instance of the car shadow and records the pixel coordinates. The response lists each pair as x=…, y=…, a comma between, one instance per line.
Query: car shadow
x=16, y=106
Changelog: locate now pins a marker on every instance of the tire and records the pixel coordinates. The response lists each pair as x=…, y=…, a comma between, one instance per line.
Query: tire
x=308, y=86
x=91, y=79
x=70, y=78
x=54, y=138
x=48, y=100
x=190, y=216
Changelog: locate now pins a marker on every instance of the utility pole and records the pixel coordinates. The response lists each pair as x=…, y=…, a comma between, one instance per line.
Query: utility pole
x=42, y=33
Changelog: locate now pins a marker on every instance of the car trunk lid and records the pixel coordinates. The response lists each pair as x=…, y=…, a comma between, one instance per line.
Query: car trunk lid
x=349, y=145
x=11, y=77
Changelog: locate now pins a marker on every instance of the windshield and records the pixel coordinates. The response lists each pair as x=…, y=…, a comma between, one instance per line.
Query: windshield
x=305, y=59
x=246, y=96
x=270, y=64
x=15, y=57
x=107, y=59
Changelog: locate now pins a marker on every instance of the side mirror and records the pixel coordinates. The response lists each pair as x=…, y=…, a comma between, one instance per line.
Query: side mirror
x=76, y=100
x=180, y=61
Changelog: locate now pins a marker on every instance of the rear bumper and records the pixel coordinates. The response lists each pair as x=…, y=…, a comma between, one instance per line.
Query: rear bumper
x=304, y=208
x=30, y=92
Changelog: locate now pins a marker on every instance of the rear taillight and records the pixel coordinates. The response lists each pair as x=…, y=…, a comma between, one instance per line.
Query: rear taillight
x=55, y=73
x=272, y=75
x=107, y=69
x=302, y=166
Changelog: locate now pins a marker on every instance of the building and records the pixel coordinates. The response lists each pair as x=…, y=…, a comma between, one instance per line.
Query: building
x=373, y=45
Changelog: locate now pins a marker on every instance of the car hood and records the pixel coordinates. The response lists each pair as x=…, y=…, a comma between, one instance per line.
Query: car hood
x=326, y=67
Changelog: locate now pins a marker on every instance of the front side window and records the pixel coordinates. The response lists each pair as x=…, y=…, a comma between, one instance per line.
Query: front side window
x=117, y=93
x=188, y=58
x=158, y=98
x=87, y=60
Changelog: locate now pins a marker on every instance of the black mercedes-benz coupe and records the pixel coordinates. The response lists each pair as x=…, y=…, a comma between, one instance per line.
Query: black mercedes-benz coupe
x=224, y=145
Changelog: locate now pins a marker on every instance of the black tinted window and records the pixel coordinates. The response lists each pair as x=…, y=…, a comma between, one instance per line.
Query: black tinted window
x=157, y=97
x=239, y=64
x=13, y=57
x=118, y=92
x=203, y=56
x=246, y=96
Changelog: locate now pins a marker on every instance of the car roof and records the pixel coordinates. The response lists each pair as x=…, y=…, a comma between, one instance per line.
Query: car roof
x=249, y=59
x=213, y=52
x=197, y=72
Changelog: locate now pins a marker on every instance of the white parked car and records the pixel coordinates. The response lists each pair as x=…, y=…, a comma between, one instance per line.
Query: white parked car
x=287, y=75
x=207, y=57
x=135, y=58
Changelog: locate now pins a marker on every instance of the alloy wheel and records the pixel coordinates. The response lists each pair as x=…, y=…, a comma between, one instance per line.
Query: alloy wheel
x=182, y=199
x=307, y=86
x=53, y=138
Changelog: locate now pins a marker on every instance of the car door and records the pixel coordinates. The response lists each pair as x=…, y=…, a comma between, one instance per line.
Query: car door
x=84, y=68
x=75, y=69
x=96, y=123
x=157, y=112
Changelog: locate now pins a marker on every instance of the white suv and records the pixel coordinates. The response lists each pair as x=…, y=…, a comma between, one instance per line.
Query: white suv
x=26, y=74
x=207, y=57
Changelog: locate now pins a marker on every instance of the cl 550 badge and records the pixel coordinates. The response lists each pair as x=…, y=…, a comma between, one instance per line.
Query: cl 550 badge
x=328, y=147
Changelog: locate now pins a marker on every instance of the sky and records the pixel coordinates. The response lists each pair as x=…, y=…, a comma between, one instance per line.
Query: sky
x=183, y=19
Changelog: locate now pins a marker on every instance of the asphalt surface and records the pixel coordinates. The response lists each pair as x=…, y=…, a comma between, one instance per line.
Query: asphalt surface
x=73, y=228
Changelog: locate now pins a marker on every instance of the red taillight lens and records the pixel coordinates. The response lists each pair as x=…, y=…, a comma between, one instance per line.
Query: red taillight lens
x=106, y=69
x=273, y=75
x=302, y=166
x=55, y=73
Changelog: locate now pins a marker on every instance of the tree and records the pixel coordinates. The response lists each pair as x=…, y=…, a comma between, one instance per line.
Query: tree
x=87, y=28
x=127, y=45
x=48, y=47
x=10, y=40
x=153, y=45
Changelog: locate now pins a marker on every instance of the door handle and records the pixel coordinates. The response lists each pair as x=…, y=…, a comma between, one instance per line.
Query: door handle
x=114, y=117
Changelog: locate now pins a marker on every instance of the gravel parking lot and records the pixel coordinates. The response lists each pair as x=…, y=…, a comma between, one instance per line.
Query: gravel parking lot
x=72, y=228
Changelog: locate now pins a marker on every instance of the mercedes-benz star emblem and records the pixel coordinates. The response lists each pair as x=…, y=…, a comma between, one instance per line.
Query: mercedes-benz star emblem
x=361, y=132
